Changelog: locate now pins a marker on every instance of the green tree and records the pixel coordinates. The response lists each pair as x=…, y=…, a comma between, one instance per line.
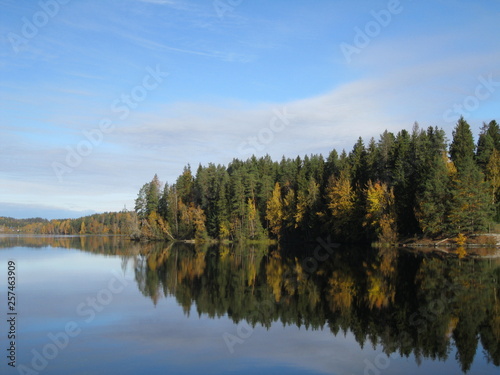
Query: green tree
x=184, y=185
x=358, y=164
x=385, y=148
x=462, y=146
x=493, y=177
x=470, y=204
x=432, y=203
x=404, y=182
x=153, y=195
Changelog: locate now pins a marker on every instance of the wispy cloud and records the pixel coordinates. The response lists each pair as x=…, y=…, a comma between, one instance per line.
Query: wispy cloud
x=228, y=77
x=220, y=55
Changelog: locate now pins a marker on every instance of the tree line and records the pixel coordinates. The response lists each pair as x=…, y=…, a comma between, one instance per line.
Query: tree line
x=116, y=223
x=401, y=185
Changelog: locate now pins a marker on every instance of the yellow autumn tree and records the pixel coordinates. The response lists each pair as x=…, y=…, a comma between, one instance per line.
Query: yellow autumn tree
x=289, y=207
x=340, y=199
x=199, y=219
x=274, y=211
x=380, y=212
x=341, y=291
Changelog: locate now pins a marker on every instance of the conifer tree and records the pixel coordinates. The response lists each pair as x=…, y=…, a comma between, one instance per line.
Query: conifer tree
x=493, y=177
x=462, y=146
x=470, y=204
x=432, y=203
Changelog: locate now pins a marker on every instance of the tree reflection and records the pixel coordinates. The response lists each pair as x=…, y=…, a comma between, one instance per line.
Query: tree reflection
x=420, y=305
x=405, y=303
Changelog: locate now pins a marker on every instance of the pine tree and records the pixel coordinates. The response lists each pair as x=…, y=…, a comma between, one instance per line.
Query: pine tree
x=141, y=202
x=403, y=169
x=372, y=156
x=470, y=204
x=462, y=147
x=493, y=177
x=489, y=140
x=331, y=165
x=153, y=195
x=358, y=164
x=432, y=203
x=184, y=185
x=385, y=148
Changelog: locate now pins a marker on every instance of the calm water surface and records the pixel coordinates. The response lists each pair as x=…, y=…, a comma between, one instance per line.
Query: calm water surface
x=103, y=305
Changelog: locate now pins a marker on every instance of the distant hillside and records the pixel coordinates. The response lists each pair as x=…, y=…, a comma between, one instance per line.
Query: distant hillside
x=9, y=223
x=106, y=223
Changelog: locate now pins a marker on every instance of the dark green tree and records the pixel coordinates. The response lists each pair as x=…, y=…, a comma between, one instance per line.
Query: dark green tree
x=489, y=139
x=470, y=204
x=432, y=203
x=462, y=146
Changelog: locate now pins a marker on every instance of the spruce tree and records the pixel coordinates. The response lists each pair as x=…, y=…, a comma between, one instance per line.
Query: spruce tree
x=432, y=203
x=470, y=204
x=462, y=146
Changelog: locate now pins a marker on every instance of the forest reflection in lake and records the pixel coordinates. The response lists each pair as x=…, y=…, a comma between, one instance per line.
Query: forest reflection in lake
x=427, y=308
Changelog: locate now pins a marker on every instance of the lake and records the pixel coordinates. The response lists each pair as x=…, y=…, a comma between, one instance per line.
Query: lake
x=105, y=305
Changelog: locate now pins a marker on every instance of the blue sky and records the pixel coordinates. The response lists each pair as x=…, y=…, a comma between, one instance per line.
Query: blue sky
x=98, y=96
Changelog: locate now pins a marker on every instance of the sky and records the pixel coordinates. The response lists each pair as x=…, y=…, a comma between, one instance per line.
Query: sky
x=98, y=96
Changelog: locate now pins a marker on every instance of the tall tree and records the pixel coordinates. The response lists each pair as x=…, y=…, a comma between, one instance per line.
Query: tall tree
x=462, y=146
x=358, y=164
x=432, y=203
x=404, y=182
x=153, y=195
x=141, y=202
x=274, y=211
x=489, y=140
x=381, y=212
x=470, y=204
x=184, y=185
x=340, y=198
x=493, y=177
x=385, y=148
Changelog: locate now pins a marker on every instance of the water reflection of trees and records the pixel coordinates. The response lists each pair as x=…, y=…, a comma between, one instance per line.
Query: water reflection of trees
x=105, y=245
x=402, y=302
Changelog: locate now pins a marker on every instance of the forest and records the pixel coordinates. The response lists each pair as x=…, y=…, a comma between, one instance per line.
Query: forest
x=402, y=185
x=406, y=185
x=115, y=223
